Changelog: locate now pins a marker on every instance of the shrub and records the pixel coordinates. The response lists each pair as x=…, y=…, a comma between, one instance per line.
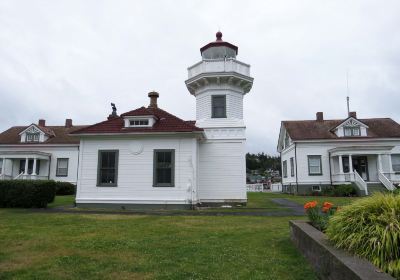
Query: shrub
x=27, y=193
x=319, y=216
x=65, y=188
x=340, y=190
x=370, y=228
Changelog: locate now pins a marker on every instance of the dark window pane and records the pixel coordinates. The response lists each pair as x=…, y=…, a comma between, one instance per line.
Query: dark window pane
x=108, y=167
x=218, y=106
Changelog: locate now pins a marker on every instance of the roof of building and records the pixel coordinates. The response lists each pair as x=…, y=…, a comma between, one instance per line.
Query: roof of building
x=57, y=135
x=219, y=43
x=314, y=129
x=165, y=122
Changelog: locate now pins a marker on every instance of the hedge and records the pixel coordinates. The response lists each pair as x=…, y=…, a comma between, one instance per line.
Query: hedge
x=65, y=188
x=27, y=193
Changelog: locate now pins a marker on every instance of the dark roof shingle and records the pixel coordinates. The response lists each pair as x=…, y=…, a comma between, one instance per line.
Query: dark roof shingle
x=165, y=122
x=58, y=135
x=313, y=129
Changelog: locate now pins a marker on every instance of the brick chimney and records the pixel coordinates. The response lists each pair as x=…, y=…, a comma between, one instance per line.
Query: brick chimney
x=320, y=116
x=42, y=122
x=153, y=99
x=353, y=114
x=68, y=123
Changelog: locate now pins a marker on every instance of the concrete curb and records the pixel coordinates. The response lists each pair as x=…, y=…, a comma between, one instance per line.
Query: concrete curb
x=329, y=262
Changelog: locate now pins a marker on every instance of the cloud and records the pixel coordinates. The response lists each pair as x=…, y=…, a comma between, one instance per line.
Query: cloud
x=70, y=59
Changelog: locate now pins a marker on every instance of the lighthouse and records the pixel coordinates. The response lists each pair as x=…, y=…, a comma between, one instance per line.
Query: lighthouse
x=219, y=83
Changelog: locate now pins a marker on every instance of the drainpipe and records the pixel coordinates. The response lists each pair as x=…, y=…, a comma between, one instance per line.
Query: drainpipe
x=330, y=168
x=295, y=159
x=48, y=177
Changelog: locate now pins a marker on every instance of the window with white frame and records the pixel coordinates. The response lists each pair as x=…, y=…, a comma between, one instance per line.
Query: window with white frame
x=284, y=168
x=139, y=122
x=32, y=137
x=352, y=131
x=316, y=188
x=62, y=167
x=292, y=167
x=396, y=162
x=1, y=166
x=314, y=165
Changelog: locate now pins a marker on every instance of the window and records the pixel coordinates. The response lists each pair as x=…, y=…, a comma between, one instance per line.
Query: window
x=62, y=167
x=164, y=163
x=346, y=164
x=292, y=167
x=1, y=166
x=316, y=188
x=30, y=166
x=32, y=137
x=396, y=162
x=218, y=103
x=286, y=140
x=352, y=131
x=143, y=122
x=314, y=165
x=107, y=171
x=284, y=168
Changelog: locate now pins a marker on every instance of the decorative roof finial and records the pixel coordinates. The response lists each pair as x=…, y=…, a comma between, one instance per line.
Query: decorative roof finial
x=219, y=36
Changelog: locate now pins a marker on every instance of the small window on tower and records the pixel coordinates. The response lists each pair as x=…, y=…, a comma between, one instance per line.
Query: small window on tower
x=218, y=104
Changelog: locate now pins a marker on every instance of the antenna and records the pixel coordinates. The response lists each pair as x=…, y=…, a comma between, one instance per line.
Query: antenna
x=348, y=93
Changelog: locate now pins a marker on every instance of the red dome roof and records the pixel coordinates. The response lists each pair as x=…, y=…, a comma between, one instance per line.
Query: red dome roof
x=219, y=43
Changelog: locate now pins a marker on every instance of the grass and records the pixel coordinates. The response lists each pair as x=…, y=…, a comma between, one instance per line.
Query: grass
x=83, y=246
x=65, y=200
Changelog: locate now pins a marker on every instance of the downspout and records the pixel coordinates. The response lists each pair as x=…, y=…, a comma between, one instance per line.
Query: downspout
x=77, y=169
x=48, y=176
x=295, y=159
x=330, y=167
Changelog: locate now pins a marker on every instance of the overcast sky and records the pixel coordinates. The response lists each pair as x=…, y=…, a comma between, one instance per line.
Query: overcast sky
x=70, y=59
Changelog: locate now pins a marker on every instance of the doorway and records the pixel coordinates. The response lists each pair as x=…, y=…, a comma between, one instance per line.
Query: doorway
x=360, y=164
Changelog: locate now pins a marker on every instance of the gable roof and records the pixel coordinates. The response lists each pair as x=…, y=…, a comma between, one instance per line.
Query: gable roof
x=321, y=130
x=46, y=130
x=165, y=122
x=352, y=121
x=59, y=135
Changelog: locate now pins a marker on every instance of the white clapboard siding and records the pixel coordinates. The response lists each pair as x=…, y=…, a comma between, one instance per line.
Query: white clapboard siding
x=61, y=151
x=135, y=171
x=222, y=173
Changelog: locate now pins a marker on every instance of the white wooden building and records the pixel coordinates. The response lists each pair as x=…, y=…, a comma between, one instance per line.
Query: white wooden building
x=38, y=151
x=149, y=157
x=320, y=153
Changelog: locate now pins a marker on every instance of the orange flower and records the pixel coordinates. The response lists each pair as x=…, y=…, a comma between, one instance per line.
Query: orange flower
x=310, y=204
x=327, y=204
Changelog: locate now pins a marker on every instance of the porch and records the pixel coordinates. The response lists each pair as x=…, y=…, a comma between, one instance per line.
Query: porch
x=24, y=165
x=362, y=166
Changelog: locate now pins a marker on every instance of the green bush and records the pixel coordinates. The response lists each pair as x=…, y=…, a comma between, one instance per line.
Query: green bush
x=370, y=228
x=27, y=193
x=340, y=190
x=65, y=188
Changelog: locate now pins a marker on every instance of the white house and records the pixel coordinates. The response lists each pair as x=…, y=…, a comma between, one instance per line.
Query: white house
x=149, y=157
x=38, y=151
x=319, y=153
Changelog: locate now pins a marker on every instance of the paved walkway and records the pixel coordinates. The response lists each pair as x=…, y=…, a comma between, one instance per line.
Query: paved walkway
x=289, y=208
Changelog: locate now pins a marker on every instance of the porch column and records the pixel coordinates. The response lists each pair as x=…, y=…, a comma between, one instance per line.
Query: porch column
x=350, y=164
x=26, y=166
x=340, y=165
x=3, y=164
x=379, y=163
x=390, y=163
x=34, y=166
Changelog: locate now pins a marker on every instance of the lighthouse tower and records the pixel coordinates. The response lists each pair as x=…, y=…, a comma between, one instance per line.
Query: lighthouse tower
x=219, y=83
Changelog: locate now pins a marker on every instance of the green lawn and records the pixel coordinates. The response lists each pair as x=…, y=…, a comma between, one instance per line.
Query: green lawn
x=88, y=246
x=75, y=246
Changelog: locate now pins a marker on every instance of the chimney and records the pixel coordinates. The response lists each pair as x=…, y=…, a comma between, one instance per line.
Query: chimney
x=42, y=122
x=153, y=99
x=353, y=114
x=68, y=123
x=320, y=116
